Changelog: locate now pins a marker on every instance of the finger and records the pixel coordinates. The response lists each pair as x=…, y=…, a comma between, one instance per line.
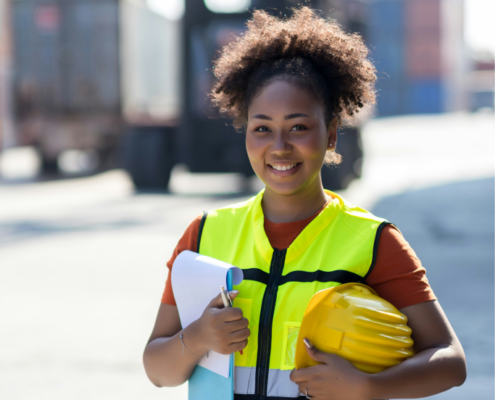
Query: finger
x=216, y=302
x=302, y=389
x=316, y=354
x=234, y=347
x=233, y=294
x=304, y=374
x=238, y=324
x=306, y=388
x=299, y=375
x=232, y=314
x=239, y=336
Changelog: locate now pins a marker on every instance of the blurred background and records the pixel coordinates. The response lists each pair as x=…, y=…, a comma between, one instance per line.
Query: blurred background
x=109, y=148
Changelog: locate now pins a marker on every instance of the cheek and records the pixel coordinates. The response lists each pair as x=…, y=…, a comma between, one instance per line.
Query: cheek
x=254, y=149
x=313, y=147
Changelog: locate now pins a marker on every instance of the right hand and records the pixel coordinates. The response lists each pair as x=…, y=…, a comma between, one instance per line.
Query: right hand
x=224, y=330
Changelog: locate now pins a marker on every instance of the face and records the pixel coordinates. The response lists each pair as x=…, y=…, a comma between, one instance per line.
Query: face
x=287, y=138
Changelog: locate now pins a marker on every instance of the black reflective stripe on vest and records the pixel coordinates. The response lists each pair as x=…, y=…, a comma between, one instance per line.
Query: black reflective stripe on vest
x=375, y=248
x=200, y=230
x=339, y=276
x=257, y=275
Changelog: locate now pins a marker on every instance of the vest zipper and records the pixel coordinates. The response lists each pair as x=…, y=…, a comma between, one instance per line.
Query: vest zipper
x=265, y=326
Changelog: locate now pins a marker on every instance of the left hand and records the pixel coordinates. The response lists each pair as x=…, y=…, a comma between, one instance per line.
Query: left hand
x=335, y=379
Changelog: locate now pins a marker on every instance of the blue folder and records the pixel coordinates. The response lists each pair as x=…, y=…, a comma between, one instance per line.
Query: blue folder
x=208, y=385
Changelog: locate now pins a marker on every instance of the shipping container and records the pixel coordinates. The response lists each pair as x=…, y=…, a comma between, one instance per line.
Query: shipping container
x=89, y=63
x=480, y=100
x=386, y=15
x=85, y=69
x=6, y=110
x=389, y=101
x=423, y=40
x=385, y=38
x=150, y=73
x=38, y=78
x=387, y=54
x=422, y=15
x=425, y=97
x=416, y=46
x=423, y=55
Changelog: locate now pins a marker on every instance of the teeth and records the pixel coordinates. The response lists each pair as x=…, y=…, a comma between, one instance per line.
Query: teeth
x=283, y=167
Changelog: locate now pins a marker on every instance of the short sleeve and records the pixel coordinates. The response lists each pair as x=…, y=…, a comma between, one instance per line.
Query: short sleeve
x=188, y=241
x=398, y=275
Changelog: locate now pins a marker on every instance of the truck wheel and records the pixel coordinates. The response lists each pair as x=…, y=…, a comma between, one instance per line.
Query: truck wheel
x=49, y=167
x=146, y=154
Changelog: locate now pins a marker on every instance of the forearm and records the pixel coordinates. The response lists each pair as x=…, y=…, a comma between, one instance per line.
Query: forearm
x=427, y=373
x=167, y=363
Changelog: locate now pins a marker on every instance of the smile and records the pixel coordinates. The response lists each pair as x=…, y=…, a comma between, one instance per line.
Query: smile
x=284, y=167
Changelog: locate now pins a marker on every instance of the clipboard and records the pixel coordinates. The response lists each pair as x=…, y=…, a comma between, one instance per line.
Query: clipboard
x=206, y=384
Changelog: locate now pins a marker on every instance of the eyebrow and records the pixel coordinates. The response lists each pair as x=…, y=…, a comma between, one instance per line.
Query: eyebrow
x=290, y=116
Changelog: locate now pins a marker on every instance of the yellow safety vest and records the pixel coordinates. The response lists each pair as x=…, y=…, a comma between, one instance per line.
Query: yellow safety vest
x=338, y=246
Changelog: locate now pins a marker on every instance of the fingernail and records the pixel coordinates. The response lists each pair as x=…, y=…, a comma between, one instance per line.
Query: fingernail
x=307, y=343
x=234, y=292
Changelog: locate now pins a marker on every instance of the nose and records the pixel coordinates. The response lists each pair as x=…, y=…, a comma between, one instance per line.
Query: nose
x=280, y=144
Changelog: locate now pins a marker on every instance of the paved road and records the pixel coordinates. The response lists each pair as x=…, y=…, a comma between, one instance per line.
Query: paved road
x=82, y=260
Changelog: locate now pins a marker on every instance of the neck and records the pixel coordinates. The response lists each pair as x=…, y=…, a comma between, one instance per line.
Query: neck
x=294, y=207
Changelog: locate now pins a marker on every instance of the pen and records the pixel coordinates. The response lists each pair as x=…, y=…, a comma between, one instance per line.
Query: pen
x=227, y=302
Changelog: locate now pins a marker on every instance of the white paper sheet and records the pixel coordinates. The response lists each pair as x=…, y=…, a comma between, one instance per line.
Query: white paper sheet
x=196, y=280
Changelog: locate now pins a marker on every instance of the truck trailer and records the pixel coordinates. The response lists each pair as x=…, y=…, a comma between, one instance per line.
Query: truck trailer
x=85, y=70
x=119, y=81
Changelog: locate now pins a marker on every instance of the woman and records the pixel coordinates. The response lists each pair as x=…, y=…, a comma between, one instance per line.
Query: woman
x=290, y=84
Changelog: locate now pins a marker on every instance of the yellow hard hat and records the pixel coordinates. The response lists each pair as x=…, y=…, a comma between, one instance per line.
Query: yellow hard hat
x=353, y=322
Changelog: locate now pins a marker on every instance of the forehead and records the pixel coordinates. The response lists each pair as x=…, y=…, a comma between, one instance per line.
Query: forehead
x=281, y=97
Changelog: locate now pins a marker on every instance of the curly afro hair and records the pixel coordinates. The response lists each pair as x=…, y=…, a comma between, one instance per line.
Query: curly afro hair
x=306, y=50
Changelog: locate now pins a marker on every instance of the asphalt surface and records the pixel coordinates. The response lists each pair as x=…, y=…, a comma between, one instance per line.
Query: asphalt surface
x=83, y=260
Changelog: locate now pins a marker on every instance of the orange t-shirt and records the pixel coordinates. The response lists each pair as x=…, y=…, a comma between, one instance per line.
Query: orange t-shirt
x=397, y=276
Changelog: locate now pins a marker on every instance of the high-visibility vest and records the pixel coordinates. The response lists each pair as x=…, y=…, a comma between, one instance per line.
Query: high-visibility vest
x=338, y=246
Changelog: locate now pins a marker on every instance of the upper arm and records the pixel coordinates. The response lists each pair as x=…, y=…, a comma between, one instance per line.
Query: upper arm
x=188, y=241
x=398, y=275
x=430, y=326
x=167, y=322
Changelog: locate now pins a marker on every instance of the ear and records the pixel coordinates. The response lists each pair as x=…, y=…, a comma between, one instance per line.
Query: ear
x=332, y=134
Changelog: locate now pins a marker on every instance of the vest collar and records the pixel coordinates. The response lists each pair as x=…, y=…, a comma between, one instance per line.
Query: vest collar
x=304, y=239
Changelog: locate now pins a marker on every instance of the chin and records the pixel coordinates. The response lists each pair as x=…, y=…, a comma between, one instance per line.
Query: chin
x=284, y=190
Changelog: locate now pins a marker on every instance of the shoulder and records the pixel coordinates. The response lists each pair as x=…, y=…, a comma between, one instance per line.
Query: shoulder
x=398, y=275
x=190, y=234
x=233, y=215
x=188, y=240
x=351, y=213
x=391, y=244
x=358, y=221
x=233, y=208
x=357, y=213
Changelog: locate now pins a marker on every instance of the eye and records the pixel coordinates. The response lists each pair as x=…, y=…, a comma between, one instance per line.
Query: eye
x=262, y=129
x=299, y=127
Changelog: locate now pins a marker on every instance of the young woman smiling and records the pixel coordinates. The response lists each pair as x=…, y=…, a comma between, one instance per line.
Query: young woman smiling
x=286, y=140
x=289, y=84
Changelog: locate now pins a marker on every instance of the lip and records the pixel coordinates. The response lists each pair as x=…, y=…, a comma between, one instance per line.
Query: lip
x=285, y=173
